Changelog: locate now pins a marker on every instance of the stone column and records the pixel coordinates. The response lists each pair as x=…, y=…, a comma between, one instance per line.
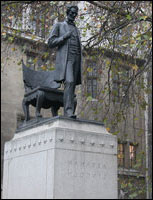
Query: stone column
x=62, y=158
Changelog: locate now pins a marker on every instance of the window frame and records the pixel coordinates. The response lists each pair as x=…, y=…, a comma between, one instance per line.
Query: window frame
x=119, y=86
x=123, y=154
x=92, y=76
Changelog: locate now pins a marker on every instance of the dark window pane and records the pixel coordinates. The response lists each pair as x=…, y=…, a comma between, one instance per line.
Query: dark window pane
x=92, y=87
x=92, y=79
x=120, y=84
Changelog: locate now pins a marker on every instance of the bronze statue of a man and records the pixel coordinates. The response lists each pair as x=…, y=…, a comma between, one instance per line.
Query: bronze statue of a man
x=66, y=37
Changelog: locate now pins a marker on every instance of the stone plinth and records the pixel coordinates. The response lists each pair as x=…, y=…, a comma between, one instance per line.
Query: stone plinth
x=61, y=159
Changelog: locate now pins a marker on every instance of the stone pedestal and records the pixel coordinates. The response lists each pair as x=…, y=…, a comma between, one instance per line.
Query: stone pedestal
x=62, y=158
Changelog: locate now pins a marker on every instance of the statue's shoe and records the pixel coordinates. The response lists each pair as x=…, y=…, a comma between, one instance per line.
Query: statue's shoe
x=71, y=116
x=55, y=85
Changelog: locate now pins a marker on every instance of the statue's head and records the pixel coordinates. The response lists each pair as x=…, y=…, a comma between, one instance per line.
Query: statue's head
x=72, y=12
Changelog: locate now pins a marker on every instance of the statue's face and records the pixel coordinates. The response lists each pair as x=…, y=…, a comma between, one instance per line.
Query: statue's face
x=72, y=14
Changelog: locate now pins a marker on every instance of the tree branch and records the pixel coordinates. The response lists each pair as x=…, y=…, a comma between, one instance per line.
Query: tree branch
x=5, y=3
x=113, y=10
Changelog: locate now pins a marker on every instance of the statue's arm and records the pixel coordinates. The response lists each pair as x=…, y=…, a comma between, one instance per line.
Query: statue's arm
x=54, y=39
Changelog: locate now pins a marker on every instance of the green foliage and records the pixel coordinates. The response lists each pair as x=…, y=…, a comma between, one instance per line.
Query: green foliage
x=133, y=187
x=129, y=17
x=89, y=98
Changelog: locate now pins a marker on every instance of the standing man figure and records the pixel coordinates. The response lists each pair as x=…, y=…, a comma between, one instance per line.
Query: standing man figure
x=66, y=37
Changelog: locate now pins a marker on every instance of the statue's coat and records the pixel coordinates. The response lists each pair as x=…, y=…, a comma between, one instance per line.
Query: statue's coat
x=56, y=40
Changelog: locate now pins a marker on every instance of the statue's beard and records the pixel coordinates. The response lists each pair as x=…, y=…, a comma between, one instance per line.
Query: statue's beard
x=71, y=18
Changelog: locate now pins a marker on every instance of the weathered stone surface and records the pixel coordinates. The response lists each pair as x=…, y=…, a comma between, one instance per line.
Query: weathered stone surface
x=62, y=158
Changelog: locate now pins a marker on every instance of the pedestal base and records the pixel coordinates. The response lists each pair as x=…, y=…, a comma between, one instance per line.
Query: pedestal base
x=61, y=159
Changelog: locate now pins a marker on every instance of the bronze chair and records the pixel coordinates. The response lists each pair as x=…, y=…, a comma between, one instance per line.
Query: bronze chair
x=41, y=91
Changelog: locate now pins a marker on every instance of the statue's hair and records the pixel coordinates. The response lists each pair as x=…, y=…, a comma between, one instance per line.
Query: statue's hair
x=69, y=8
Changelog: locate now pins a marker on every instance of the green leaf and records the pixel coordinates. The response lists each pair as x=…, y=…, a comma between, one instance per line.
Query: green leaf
x=45, y=54
x=89, y=69
x=43, y=67
x=89, y=98
x=125, y=45
x=19, y=63
x=132, y=196
x=128, y=17
x=51, y=68
x=130, y=185
x=143, y=17
x=33, y=37
x=136, y=118
x=35, y=60
x=115, y=133
x=135, y=67
x=82, y=17
x=146, y=37
x=10, y=39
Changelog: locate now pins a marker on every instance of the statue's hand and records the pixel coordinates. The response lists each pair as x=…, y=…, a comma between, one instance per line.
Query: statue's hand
x=67, y=35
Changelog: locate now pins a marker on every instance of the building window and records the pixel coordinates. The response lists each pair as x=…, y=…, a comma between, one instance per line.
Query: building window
x=116, y=88
x=132, y=152
x=92, y=87
x=121, y=155
x=92, y=80
x=119, y=85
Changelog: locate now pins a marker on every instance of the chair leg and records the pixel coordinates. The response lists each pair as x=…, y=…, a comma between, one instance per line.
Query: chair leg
x=25, y=107
x=40, y=99
x=54, y=110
